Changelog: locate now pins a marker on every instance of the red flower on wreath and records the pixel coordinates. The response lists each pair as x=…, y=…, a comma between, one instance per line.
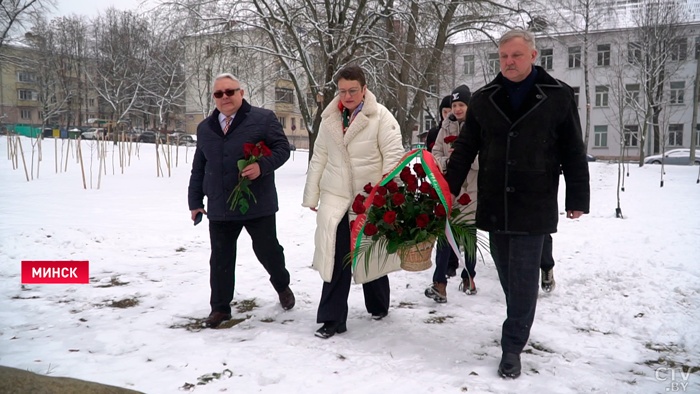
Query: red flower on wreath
x=420, y=171
x=389, y=217
x=370, y=229
x=379, y=201
x=358, y=207
x=398, y=199
x=422, y=220
x=392, y=186
x=464, y=199
x=425, y=188
x=368, y=188
x=440, y=211
x=381, y=190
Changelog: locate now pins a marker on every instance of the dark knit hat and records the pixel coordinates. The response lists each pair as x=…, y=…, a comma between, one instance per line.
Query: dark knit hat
x=445, y=103
x=461, y=93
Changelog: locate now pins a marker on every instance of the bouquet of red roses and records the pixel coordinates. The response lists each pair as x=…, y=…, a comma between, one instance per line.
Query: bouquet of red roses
x=450, y=139
x=240, y=194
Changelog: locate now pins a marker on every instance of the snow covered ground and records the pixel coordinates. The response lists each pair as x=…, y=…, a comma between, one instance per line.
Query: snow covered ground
x=624, y=316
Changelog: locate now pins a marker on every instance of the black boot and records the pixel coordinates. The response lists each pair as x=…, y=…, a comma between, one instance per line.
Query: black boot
x=510, y=366
x=331, y=328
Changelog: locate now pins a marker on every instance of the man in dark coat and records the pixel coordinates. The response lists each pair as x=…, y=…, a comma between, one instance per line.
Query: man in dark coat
x=524, y=126
x=220, y=139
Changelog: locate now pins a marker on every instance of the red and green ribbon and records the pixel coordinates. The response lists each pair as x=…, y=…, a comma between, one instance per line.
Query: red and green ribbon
x=436, y=178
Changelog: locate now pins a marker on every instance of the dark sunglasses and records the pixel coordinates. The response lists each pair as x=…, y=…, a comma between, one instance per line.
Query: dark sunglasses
x=228, y=92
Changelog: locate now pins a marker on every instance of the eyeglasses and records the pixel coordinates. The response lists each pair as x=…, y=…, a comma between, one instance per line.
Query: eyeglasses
x=351, y=92
x=229, y=92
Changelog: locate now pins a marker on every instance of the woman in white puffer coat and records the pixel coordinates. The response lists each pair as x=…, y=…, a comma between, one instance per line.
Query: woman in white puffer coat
x=442, y=150
x=358, y=141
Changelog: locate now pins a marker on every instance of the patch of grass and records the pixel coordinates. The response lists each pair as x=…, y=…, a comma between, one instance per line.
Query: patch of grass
x=534, y=371
x=125, y=303
x=180, y=249
x=472, y=373
x=672, y=364
x=287, y=321
x=193, y=325
x=113, y=281
x=341, y=357
x=267, y=320
x=231, y=323
x=464, y=389
x=638, y=373
x=25, y=298
x=590, y=330
x=408, y=305
x=187, y=387
x=661, y=347
x=209, y=377
x=245, y=305
x=437, y=319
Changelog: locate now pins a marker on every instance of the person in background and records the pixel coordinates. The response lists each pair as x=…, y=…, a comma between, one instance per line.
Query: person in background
x=442, y=151
x=220, y=140
x=358, y=141
x=524, y=127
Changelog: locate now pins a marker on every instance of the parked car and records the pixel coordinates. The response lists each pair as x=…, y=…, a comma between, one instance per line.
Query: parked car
x=181, y=138
x=150, y=136
x=590, y=157
x=674, y=156
x=94, y=133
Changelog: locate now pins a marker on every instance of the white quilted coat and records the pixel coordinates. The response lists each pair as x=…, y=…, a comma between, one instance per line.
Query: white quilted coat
x=339, y=169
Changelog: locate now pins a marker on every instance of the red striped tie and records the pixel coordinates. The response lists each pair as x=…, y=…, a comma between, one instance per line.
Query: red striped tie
x=228, y=123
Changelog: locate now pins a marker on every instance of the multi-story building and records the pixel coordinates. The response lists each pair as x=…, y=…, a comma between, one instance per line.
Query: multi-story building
x=616, y=87
x=266, y=84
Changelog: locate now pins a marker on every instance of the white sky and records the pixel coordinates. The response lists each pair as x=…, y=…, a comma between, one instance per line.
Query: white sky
x=91, y=8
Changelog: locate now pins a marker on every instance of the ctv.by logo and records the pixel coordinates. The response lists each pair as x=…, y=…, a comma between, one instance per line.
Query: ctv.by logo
x=678, y=379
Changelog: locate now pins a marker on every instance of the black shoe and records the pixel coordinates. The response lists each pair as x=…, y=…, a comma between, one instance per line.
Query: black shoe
x=510, y=366
x=216, y=318
x=548, y=283
x=287, y=299
x=379, y=316
x=331, y=328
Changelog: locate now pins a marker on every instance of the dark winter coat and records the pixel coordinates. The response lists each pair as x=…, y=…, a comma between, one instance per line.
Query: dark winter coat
x=520, y=156
x=215, y=169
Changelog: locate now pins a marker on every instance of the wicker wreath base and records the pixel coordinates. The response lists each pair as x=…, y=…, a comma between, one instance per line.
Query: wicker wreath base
x=417, y=257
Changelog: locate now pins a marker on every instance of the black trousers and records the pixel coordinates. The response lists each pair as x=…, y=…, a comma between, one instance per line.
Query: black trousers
x=517, y=259
x=547, y=258
x=334, y=295
x=222, y=275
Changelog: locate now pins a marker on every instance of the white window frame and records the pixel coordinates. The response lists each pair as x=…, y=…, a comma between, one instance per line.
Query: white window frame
x=601, y=96
x=675, y=136
x=600, y=136
x=468, y=67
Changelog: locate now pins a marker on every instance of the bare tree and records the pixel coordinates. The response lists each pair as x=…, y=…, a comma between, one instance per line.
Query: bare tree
x=657, y=47
x=14, y=14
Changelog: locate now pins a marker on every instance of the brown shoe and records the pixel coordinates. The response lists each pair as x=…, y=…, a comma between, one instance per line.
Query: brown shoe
x=438, y=292
x=287, y=299
x=215, y=318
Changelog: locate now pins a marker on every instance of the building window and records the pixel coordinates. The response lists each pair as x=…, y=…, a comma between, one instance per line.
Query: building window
x=604, y=54
x=631, y=134
x=469, y=64
x=575, y=57
x=675, y=135
x=432, y=89
x=601, y=96
x=600, y=134
x=25, y=77
x=91, y=102
x=283, y=121
x=634, y=52
x=494, y=63
x=547, y=59
x=294, y=123
x=24, y=94
x=679, y=49
x=284, y=95
x=677, y=89
x=577, y=91
x=429, y=122
x=26, y=114
x=632, y=94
